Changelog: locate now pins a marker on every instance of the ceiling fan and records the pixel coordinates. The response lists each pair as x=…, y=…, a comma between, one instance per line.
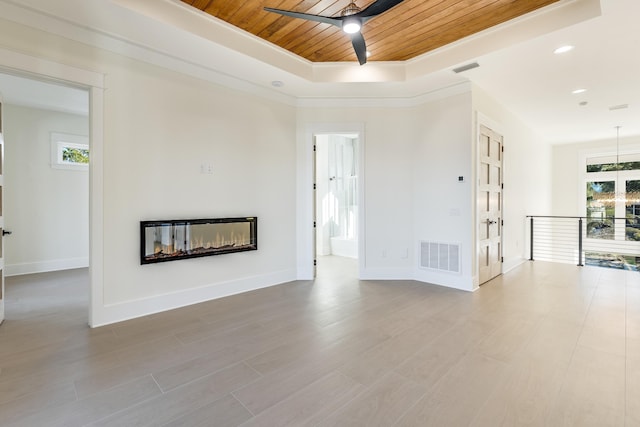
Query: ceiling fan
x=350, y=21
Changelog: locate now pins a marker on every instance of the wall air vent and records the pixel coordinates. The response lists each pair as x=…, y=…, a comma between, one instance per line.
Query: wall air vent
x=440, y=256
x=466, y=67
x=619, y=107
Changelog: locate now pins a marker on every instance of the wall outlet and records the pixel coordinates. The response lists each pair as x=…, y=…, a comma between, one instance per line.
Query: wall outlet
x=206, y=168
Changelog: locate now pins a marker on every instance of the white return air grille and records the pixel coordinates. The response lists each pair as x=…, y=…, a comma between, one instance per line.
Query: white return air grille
x=440, y=256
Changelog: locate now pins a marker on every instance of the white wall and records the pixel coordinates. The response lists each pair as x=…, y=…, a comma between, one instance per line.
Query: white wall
x=408, y=154
x=442, y=205
x=47, y=209
x=159, y=128
x=323, y=227
x=165, y=126
x=566, y=177
x=413, y=158
x=527, y=174
x=386, y=182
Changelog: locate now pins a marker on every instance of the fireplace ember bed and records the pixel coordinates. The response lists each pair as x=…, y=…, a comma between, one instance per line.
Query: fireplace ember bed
x=172, y=240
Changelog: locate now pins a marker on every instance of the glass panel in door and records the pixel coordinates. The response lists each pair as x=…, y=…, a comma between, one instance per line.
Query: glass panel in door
x=632, y=210
x=1, y=219
x=601, y=209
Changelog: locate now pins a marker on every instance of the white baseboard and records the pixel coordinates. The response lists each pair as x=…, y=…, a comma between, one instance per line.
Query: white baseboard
x=449, y=280
x=45, y=266
x=142, y=307
x=392, y=273
x=512, y=263
x=455, y=281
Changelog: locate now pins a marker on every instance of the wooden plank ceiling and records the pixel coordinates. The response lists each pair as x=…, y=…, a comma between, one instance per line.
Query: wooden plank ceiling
x=410, y=29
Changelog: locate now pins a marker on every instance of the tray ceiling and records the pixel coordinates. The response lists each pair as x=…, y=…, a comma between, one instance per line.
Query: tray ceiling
x=410, y=29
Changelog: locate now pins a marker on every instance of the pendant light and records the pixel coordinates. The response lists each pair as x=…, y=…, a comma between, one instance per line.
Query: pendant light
x=620, y=196
x=615, y=196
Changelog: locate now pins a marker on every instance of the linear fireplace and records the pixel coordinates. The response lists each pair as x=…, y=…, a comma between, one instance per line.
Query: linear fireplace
x=191, y=238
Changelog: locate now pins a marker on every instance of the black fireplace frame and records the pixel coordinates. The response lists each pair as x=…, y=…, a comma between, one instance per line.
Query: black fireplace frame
x=188, y=252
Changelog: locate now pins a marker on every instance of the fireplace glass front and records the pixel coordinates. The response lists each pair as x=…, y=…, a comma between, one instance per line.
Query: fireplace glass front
x=178, y=239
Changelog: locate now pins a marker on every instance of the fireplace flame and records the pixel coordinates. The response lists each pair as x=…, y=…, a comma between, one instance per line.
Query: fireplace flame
x=220, y=241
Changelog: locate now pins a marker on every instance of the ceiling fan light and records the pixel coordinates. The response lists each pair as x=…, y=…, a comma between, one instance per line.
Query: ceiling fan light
x=351, y=26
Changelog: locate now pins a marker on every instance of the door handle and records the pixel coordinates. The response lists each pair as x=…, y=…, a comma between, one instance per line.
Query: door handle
x=6, y=232
x=491, y=222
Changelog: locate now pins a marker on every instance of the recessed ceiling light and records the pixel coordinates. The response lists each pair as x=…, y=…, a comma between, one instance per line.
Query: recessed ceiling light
x=577, y=91
x=563, y=49
x=277, y=83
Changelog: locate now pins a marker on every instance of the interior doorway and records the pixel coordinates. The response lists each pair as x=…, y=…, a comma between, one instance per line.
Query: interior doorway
x=490, y=203
x=337, y=201
x=46, y=132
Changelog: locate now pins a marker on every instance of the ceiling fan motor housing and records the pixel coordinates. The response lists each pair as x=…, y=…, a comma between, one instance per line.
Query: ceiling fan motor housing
x=350, y=21
x=351, y=9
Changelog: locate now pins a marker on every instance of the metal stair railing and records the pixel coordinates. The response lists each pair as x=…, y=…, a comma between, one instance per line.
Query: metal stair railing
x=606, y=241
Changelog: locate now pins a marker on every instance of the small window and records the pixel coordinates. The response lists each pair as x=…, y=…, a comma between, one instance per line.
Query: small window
x=69, y=151
x=623, y=162
x=608, y=167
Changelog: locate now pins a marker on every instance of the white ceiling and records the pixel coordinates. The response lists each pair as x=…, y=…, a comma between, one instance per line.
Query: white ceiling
x=517, y=64
x=537, y=85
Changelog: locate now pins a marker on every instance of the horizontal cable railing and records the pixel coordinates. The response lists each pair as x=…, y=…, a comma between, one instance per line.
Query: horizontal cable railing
x=605, y=241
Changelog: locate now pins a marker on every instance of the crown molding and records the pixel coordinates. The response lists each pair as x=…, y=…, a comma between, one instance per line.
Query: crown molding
x=169, y=34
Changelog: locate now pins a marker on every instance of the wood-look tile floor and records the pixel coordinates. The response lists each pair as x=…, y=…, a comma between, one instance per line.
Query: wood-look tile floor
x=543, y=345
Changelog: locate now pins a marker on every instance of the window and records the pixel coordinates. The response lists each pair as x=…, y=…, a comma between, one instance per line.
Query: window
x=632, y=210
x=612, y=209
x=69, y=151
x=613, y=191
x=607, y=167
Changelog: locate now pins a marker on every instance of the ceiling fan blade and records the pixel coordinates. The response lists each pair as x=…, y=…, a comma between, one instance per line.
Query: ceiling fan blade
x=307, y=16
x=360, y=46
x=378, y=7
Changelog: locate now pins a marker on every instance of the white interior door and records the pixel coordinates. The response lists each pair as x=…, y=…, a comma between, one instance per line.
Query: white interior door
x=315, y=215
x=1, y=218
x=489, y=204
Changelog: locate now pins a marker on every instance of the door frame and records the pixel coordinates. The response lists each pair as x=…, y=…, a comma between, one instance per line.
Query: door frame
x=3, y=296
x=35, y=68
x=483, y=120
x=306, y=195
